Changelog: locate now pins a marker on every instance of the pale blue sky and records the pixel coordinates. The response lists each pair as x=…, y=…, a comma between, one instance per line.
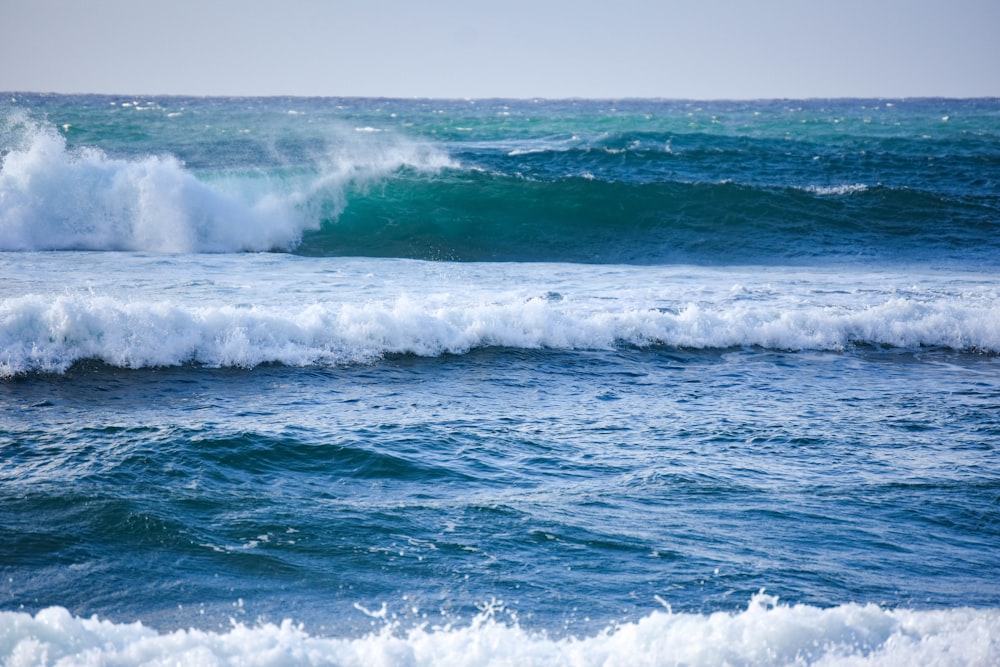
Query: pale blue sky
x=504, y=48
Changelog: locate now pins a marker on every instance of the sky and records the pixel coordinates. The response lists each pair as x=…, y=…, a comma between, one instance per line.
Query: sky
x=709, y=49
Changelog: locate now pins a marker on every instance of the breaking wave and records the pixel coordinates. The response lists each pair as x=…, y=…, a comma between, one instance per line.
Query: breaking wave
x=384, y=195
x=44, y=334
x=56, y=198
x=766, y=633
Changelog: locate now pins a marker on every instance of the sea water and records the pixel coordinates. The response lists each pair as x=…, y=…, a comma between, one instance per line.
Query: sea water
x=375, y=381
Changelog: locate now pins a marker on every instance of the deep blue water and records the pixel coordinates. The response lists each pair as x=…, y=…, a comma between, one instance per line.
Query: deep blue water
x=499, y=374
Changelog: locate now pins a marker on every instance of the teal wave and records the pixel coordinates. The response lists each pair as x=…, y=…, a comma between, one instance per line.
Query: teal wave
x=478, y=216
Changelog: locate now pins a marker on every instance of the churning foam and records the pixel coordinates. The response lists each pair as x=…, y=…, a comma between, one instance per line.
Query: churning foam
x=55, y=198
x=766, y=633
x=42, y=333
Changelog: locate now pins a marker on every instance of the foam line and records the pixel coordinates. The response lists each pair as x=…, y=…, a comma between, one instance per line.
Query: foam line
x=39, y=333
x=766, y=633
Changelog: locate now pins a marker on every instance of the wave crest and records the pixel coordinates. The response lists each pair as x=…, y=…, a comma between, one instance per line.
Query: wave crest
x=41, y=334
x=53, y=197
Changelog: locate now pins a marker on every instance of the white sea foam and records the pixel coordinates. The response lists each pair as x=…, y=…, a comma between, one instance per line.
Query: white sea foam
x=55, y=198
x=766, y=633
x=526, y=151
x=837, y=190
x=42, y=333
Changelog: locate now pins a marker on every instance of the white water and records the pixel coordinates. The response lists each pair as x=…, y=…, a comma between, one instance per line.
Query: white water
x=766, y=633
x=54, y=198
x=40, y=334
x=243, y=310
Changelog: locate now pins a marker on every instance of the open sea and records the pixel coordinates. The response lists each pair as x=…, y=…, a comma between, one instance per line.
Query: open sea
x=290, y=381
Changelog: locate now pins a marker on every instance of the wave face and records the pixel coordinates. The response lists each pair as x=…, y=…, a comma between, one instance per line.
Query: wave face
x=634, y=182
x=764, y=634
x=490, y=217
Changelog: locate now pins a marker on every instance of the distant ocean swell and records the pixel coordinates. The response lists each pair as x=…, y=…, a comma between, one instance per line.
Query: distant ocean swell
x=397, y=198
x=766, y=633
x=41, y=334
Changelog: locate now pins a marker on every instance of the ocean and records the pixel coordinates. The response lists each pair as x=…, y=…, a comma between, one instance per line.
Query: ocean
x=290, y=381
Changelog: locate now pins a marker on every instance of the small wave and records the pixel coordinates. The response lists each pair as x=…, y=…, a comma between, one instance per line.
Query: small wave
x=766, y=633
x=836, y=190
x=41, y=334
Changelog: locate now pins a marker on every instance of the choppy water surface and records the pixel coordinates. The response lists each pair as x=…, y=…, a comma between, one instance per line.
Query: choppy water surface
x=474, y=382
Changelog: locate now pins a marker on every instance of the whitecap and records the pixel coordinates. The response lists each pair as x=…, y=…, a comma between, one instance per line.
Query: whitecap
x=41, y=333
x=837, y=190
x=57, y=198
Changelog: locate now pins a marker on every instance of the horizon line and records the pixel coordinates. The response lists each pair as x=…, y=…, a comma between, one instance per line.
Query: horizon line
x=529, y=98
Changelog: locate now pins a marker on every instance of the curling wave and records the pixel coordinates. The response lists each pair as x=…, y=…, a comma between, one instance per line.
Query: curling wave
x=56, y=198
x=384, y=195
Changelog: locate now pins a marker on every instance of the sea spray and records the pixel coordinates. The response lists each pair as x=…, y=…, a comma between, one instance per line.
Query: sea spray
x=56, y=198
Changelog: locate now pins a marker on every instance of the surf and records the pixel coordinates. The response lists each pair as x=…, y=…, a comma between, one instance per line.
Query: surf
x=54, y=197
x=370, y=309
x=765, y=633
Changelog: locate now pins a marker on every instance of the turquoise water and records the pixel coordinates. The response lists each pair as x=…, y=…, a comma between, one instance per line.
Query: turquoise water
x=487, y=382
